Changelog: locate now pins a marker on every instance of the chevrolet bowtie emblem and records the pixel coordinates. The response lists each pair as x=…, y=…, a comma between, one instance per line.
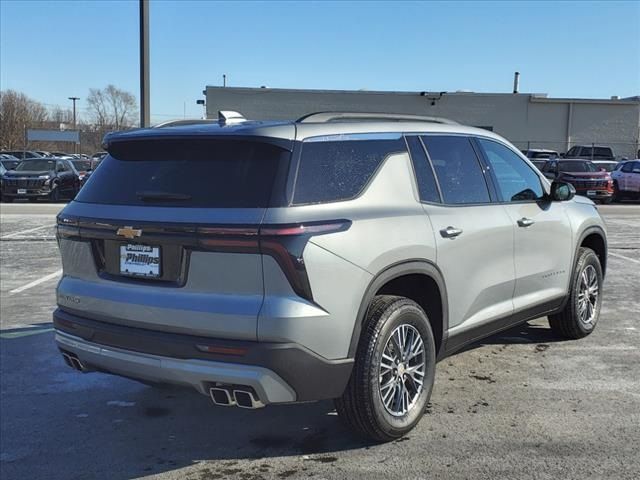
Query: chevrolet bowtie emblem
x=129, y=232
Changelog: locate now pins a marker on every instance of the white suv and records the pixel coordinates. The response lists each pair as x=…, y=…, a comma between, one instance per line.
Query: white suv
x=626, y=180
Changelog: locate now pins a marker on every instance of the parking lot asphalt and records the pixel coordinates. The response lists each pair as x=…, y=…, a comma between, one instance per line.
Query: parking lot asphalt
x=522, y=404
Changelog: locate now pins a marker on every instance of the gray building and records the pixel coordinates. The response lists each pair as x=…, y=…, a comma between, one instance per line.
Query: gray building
x=527, y=120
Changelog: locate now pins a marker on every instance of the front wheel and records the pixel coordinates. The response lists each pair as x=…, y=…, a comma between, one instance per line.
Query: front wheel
x=582, y=311
x=606, y=201
x=394, y=370
x=54, y=196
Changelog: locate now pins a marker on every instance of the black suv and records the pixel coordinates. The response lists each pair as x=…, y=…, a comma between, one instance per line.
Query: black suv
x=35, y=178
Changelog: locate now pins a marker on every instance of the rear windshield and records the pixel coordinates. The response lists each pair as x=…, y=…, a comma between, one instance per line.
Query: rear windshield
x=576, y=167
x=82, y=165
x=188, y=173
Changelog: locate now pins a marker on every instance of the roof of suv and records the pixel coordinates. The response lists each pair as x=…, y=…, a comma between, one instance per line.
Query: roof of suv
x=299, y=130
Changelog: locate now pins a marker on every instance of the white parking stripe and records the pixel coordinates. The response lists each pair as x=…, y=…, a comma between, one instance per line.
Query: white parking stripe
x=36, y=282
x=22, y=232
x=626, y=258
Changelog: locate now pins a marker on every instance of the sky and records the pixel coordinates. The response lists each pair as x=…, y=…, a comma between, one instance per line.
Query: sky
x=56, y=49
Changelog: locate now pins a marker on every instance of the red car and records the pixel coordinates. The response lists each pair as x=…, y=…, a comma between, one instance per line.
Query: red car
x=588, y=180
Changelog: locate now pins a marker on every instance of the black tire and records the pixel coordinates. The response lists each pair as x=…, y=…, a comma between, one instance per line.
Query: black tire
x=568, y=322
x=54, y=196
x=606, y=201
x=361, y=406
x=617, y=195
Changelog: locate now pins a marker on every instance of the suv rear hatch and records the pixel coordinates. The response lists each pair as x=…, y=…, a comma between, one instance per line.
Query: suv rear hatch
x=165, y=234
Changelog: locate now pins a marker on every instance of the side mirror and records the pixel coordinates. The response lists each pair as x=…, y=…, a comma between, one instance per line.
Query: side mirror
x=562, y=191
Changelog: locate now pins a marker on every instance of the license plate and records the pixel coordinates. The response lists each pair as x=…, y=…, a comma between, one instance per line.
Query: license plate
x=22, y=191
x=591, y=193
x=140, y=260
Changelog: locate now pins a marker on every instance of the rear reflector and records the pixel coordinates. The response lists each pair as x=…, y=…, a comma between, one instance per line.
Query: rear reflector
x=222, y=350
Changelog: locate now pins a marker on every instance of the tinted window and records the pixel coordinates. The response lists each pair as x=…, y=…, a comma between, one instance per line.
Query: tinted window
x=457, y=168
x=36, y=165
x=626, y=167
x=335, y=168
x=189, y=173
x=577, y=166
x=516, y=180
x=424, y=175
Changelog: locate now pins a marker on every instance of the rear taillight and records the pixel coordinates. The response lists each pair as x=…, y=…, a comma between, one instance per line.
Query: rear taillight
x=285, y=243
x=67, y=227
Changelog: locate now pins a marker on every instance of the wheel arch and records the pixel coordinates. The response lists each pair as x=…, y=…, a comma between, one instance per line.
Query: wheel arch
x=418, y=280
x=594, y=238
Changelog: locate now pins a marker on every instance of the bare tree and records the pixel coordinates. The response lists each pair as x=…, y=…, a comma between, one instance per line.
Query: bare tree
x=18, y=112
x=112, y=108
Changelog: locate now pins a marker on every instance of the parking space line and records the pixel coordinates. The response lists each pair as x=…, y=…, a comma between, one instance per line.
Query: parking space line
x=22, y=232
x=626, y=258
x=25, y=333
x=36, y=282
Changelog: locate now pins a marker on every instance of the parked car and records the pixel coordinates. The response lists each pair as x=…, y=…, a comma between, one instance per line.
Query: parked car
x=626, y=180
x=585, y=177
x=539, y=164
x=591, y=152
x=606, y=165
x=84, y=168
x=335, y=257
x=22, y=154
x=540, y=153
x=61, y=155
x=8, y=162
x=48, y=178
x=42, y=153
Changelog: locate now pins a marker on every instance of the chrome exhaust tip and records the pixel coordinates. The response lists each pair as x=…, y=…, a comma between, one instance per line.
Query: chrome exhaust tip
x=247, y=399
x=221, y=396
x=74, y=362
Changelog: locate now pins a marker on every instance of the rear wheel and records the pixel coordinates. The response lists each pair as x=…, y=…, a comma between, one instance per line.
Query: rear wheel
x=580, y=315
x=394, y=371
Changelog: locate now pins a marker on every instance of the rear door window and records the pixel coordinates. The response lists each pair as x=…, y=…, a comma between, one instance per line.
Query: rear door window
x=216, y=173
x=457, y=168
x=338, y=167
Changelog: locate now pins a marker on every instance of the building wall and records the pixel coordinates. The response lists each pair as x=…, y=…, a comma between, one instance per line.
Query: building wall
x=526, y=120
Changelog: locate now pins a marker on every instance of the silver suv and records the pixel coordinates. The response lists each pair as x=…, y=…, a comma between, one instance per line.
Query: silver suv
x=335, y=257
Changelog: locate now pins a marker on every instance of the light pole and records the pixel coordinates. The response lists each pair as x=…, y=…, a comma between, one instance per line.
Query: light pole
x=74, y=99
x=145, y=113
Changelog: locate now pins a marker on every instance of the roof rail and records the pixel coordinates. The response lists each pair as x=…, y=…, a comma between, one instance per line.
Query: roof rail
x=325, y=117
x=190, y=121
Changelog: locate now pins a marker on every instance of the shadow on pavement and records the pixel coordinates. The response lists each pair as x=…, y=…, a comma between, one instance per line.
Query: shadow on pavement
x=59, y=423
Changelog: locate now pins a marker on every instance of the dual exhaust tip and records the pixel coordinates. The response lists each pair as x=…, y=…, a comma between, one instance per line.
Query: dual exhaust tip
x=74, y=362
x=235, y=397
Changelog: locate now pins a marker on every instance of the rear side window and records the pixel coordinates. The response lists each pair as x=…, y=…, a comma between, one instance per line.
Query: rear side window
x=458, y=169
x=424, y=175
x=220, y=173
x=338, y=167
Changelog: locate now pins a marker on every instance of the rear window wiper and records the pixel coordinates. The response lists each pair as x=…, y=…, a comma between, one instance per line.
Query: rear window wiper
x=151, y=196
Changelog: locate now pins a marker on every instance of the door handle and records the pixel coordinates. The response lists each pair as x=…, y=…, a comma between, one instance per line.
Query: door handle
x=525, y=222
x=450, y=232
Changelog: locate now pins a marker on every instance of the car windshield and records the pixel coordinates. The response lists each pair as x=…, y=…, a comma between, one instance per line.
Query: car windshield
x=82, y=165
x=609, y=167
x=543, y=154
x=577, y=166
x=36, y=165
x=10, y=164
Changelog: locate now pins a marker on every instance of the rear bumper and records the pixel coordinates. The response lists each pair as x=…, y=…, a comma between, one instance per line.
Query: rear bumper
x=278, y=372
